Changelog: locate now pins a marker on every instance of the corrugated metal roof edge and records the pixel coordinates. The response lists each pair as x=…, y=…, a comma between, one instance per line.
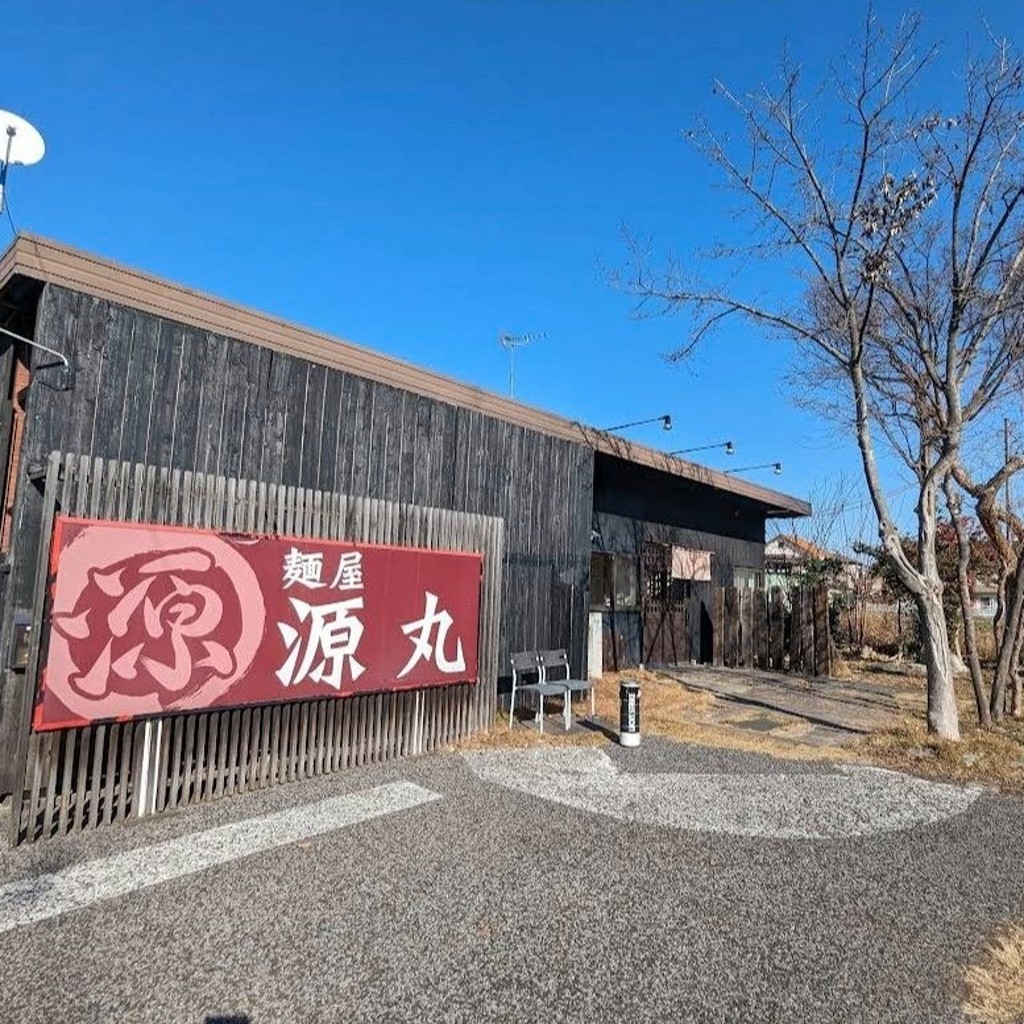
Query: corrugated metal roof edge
x=53, y=262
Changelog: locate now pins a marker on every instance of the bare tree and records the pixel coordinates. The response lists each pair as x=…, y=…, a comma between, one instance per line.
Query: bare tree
x=963, y=544
x=1005, y=532
x=906, y=233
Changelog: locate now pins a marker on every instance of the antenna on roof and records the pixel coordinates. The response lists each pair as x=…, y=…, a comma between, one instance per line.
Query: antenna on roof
x=20, y=143
x=510, y=342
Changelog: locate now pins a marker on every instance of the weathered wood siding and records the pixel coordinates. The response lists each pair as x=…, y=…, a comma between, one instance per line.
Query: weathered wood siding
x=158, y=392
x=634, y=505
x=75, y=778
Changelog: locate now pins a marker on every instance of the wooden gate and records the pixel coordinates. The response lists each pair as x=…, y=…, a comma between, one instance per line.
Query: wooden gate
x=730, y=626
x=74, y=779
x=772, y=630
x=671, y=613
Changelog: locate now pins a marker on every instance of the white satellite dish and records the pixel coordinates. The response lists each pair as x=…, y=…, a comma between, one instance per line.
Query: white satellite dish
x=20, y=143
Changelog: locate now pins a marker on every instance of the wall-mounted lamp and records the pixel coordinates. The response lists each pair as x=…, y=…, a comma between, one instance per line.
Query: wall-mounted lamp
x=66, y=377
x=775, y=467
x=22, y=640
x=730, y=448
x=666, y=423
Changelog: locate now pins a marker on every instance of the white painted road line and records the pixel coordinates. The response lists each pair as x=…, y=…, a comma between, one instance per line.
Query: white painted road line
x=848, y=802
x=35, y=899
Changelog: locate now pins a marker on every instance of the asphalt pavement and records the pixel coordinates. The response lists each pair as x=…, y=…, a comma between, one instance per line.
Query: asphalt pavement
x=497, y=904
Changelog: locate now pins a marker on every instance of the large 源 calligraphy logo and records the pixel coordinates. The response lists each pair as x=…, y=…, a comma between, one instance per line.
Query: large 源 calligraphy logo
x=147, y=623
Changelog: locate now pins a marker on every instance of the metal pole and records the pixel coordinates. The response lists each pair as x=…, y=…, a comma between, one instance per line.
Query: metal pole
x=11, y=131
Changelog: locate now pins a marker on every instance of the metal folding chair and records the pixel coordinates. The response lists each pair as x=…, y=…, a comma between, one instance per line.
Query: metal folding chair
x=528, y=663
x=557, y=662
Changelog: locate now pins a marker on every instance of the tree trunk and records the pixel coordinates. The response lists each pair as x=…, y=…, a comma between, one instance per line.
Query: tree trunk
x=973, y=661
x=1000, y=616
x=963, y=583
x=971, y=641
x=1009, y=649
x=1015, y=692
x=943, y=719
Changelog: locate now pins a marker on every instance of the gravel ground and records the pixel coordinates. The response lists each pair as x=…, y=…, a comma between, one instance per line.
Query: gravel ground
x=853, y=800
x=493, y=904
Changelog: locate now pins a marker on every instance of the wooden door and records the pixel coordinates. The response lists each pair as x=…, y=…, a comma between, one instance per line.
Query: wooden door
x=666, y=637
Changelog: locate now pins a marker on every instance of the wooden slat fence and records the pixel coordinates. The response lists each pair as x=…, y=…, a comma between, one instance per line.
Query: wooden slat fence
x=76, y=779
x=754, y=629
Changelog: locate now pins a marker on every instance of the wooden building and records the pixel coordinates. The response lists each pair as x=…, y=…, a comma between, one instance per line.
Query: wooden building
x=166, y=377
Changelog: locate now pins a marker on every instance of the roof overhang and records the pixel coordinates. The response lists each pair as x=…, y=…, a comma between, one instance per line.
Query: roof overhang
x=50, y=262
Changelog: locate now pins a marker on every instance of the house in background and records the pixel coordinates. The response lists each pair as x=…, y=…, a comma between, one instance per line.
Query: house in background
x=788, y=557
x=985, y=600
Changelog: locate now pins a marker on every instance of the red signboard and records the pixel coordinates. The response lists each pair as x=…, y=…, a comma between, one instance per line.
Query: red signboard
x=152, y=619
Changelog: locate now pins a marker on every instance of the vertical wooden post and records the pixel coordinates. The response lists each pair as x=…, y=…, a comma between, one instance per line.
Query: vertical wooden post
x=683, y=617
x=718, y=626
x=776, y=630
x=146, y=769
x=759, y=638
x=822, y=640
x=694, y=613
x=796, y=630
x=807, y=632
x=732, y=627
x=747, y=647
x=28, y=692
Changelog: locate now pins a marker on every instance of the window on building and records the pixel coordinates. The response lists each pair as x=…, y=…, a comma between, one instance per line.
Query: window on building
x=746, y=578
x=613, y=581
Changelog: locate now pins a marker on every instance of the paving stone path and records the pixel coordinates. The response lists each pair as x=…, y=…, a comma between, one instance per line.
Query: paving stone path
x=845, y=705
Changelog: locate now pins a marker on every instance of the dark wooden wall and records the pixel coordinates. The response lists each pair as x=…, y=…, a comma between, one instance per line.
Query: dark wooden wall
x=633, y=504
x=616, y=534
x=160, y=392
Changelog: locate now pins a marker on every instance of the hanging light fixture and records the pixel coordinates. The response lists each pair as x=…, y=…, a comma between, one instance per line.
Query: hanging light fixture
x=727, y=446
x=666, y=423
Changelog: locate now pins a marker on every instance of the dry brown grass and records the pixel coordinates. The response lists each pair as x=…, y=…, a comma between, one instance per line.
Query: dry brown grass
x=993, y=757
x=521, y=736
x=669, y=709
x=524, y=734
x=995, y=983
x=662, y=700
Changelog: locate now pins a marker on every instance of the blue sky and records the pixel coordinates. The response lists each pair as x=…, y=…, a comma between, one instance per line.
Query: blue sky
x=419, y=177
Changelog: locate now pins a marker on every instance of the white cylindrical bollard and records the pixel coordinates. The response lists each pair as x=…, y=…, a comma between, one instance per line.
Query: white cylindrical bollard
x=629, y=713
